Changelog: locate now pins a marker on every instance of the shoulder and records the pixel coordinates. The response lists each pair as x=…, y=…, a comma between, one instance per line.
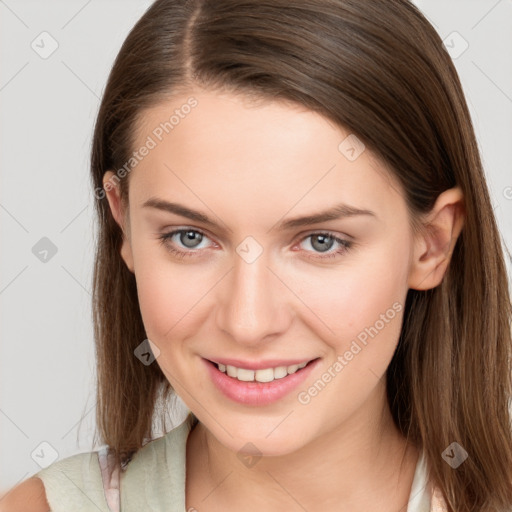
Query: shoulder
x=29, y=496
x=74, y=483
x=77, y=483
x=159, y=465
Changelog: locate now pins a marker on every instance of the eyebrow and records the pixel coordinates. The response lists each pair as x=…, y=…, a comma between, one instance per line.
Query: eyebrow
x=337, y=212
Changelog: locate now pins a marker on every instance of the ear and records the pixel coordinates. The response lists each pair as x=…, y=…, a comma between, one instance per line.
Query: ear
x=433, y=245
x=120, y=216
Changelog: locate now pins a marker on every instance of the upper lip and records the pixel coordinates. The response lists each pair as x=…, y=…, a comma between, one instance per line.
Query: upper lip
x=259, y=365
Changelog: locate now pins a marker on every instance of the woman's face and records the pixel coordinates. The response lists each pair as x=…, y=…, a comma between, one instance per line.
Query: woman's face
x=252, y=284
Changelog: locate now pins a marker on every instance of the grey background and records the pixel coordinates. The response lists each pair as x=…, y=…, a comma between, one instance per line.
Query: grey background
x=48, y=109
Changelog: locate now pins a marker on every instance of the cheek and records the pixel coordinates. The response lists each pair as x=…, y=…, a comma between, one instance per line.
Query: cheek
x=169, y=295
x=358, y=315
x=356, y=299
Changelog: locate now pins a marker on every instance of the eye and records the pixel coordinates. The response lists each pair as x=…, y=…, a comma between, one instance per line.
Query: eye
x=190, y=239
x=186, y=238
x=322, y=243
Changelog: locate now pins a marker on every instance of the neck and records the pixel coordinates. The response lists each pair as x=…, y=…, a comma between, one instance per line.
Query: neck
x=359, y=465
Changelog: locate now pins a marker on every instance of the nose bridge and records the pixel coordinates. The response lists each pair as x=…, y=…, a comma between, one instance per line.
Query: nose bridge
x=252, y=306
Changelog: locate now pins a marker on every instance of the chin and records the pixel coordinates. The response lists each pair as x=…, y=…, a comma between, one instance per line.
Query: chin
x=257, y=441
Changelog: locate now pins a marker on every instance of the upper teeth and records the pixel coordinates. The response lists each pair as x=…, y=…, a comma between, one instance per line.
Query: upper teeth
x=265, y=375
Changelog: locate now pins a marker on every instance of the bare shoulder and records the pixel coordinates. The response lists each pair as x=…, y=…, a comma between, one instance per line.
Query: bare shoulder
x=29, y=496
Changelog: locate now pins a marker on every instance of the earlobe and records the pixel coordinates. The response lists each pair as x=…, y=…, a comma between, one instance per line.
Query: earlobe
x=434, y=245
x=126, y=254
x=116, y=207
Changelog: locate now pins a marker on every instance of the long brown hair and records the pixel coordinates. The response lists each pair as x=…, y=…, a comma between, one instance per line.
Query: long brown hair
x=379, y=69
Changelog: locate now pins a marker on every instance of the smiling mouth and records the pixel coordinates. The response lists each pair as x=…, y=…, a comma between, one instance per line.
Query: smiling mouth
x=261, y=375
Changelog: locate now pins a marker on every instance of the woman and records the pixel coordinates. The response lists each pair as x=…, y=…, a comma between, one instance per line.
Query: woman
x=296, y=238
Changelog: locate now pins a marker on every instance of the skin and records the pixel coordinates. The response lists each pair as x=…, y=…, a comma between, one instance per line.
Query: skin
x=29, y=496
x=248, y=166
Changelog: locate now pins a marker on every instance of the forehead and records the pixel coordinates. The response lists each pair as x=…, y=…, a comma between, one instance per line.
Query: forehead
x=230, y=146
x=226, y=118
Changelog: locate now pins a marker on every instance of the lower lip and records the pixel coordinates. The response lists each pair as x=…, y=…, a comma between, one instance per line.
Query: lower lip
x=257, y=393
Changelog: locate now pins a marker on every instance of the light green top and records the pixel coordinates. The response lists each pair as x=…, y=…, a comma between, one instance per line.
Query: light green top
x=154, y=479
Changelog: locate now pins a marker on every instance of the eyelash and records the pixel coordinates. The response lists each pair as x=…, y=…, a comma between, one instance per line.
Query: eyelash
x=166, y=237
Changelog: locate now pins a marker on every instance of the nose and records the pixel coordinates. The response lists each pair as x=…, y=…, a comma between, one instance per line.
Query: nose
x=253, y=306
